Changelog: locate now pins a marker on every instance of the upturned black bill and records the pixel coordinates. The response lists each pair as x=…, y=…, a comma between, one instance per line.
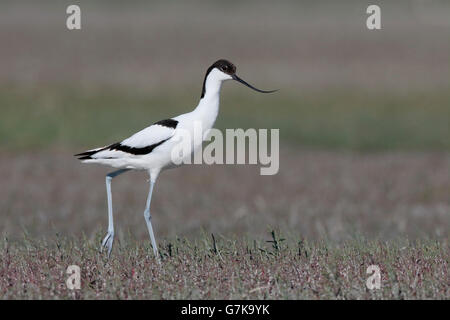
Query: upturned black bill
x=235, y=77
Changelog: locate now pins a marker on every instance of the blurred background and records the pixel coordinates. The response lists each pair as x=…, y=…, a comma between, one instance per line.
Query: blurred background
x=364, y=116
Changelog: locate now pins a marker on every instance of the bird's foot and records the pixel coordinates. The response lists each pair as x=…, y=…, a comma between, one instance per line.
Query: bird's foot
x=107, y=242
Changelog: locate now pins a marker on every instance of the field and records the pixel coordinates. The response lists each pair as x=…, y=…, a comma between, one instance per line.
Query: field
x=387, y=209
x=364, y=151
x=226, y=268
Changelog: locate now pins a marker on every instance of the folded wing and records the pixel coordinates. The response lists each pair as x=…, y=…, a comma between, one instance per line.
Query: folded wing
x=141, y=143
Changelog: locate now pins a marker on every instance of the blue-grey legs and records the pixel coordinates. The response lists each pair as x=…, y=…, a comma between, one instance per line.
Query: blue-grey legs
x=148, y=217
x=107, y=242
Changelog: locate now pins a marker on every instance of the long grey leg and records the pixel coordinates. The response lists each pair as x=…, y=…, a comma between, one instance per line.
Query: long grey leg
x=148, y=218
x=109, y=238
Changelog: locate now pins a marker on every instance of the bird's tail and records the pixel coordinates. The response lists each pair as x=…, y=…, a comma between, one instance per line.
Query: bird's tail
x=87, y=155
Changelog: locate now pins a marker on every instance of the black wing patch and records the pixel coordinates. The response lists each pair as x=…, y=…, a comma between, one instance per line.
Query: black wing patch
x=121, y=147
x=169, y=123
x=136, y=151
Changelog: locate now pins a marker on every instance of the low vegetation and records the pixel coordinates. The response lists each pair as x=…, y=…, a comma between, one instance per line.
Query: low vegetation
x=214, y=267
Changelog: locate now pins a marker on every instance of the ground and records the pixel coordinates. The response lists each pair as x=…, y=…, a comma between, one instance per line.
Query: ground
x=214, y=267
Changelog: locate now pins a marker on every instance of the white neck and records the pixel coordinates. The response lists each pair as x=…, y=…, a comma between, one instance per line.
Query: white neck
x=208, y=107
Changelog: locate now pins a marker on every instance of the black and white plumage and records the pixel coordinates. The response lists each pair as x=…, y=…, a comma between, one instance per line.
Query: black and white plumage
x=141, y=143
x=151, y=148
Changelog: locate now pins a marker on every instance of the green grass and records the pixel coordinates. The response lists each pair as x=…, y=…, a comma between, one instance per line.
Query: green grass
x=331, y=120
x=225, y=268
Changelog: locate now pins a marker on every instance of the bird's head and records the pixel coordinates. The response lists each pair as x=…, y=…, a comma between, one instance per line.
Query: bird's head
x=223, y=70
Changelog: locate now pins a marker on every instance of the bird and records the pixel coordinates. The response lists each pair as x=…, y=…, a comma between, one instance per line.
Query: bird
x=150, y=149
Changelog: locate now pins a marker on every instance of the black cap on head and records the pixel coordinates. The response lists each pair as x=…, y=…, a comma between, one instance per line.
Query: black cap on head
x=224, y=66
